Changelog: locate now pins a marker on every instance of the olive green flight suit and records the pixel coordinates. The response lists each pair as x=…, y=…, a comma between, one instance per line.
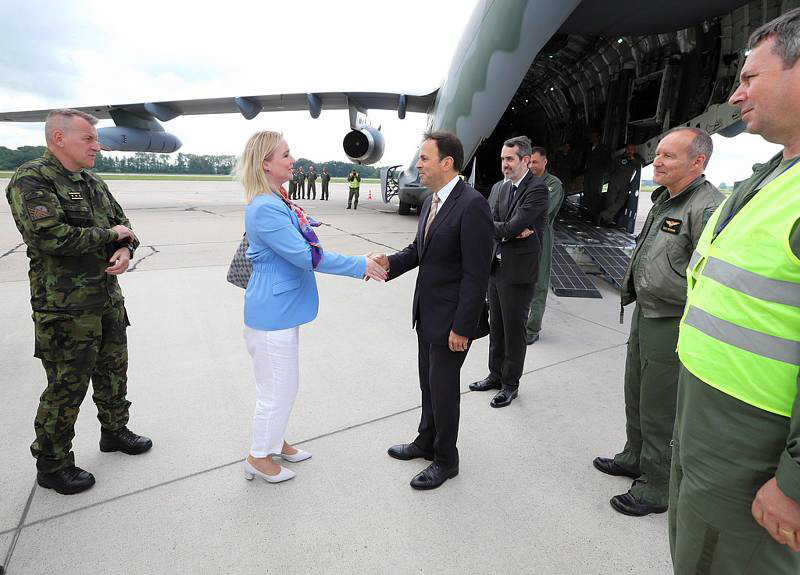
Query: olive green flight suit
x=656, y=280
x=556, y=198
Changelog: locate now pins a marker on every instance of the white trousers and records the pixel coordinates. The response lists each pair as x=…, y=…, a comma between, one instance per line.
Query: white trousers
x=277, y=371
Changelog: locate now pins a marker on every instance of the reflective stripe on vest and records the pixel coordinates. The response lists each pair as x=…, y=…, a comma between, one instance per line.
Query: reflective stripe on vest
x=740, y=332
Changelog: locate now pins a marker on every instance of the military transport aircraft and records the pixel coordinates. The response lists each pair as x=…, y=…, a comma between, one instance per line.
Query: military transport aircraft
x=555, y=71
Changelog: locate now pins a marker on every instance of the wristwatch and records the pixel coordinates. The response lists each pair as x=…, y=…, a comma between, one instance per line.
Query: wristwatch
x=130, y=249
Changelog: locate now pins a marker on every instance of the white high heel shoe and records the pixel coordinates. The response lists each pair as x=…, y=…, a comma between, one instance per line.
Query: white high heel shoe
x=250, y=473
x=296, y=458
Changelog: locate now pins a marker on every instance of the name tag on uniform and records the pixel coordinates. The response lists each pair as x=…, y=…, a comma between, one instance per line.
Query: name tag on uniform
x=671, y=225
x=75, y=196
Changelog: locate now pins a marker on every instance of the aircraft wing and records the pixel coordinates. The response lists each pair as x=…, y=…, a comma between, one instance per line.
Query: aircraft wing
x=250, y=106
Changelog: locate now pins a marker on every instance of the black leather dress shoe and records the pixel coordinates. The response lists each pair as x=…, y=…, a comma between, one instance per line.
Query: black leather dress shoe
x=67, y=481
x=627, y=504
x=531, y=338
x=124, y=440
x=485, y=384
x=609, y=467
x=406, y=451
x=504, y=397
x=433, y=476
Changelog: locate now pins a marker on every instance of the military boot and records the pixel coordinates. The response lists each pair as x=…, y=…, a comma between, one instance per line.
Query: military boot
x=124, y=440
x=67, y=481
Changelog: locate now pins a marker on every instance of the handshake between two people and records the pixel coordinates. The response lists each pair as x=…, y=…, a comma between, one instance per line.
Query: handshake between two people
x=378, y=264
x=377, y=267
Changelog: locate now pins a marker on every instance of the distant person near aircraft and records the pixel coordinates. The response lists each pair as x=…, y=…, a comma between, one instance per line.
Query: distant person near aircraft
x=312, y=183
x=621, y=182
x=301, y=182
x=293, y=185
x=325, y=178
x=354, y=182
x=598, y=162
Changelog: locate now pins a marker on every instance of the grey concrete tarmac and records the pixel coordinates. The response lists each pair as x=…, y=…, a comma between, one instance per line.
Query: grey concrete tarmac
x=527, y=499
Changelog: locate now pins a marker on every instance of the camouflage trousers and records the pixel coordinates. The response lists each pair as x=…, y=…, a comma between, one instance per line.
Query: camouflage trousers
x=76, y=347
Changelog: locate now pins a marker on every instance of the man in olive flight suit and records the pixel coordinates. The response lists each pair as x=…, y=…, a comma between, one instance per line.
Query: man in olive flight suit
x=622, y=178
x=538, y=165
x=656, y=281
x=78, y=241
x=325, y=177
x=301, y=183
x=598, y=162
x=312, y=183
x=293, y=186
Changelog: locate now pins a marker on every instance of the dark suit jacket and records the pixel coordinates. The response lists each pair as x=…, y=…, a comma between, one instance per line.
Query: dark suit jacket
x=519, y=257
x=453, y=267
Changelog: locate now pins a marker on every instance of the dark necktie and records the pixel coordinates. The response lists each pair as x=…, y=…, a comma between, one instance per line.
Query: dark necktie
x=513, y=192
x=431, y=214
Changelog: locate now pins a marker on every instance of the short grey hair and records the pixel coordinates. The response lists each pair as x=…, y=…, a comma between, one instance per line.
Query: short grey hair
x=785, y=30
x=59, y=119
x=522, y=143
x=700, y=144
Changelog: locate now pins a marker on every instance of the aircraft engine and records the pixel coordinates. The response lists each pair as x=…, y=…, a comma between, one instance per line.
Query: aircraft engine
x=364, y=146
x=126, y=139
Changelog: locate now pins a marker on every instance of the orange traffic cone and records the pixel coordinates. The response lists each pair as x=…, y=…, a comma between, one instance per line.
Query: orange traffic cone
x=369, y=197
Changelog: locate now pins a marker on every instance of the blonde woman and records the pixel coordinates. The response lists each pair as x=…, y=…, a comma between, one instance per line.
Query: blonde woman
x=281, y=295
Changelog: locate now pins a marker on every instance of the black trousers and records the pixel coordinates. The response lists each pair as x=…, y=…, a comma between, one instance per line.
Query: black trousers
x=324, y=192
x=301, y=188
x=439, y=380
x=312, y=190
x=509, y=305
x=352, y=198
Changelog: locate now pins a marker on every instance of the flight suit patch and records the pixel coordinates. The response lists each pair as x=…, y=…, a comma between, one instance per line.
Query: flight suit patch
x=39, y=212
x=671, y=226
x=75, y=196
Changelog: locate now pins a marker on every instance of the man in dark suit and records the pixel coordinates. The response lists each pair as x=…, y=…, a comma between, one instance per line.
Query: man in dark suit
x=519, y=210
x=453, y=249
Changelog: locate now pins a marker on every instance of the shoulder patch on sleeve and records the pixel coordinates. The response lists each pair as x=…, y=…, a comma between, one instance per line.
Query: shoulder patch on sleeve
x=38, y=210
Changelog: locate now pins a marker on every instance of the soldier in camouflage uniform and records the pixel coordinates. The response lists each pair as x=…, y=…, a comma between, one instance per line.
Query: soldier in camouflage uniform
x=78, y=241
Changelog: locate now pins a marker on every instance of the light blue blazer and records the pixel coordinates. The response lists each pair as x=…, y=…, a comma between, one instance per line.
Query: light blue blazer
x=282, y=291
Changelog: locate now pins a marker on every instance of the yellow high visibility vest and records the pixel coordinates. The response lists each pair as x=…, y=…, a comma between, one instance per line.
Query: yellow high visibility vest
x=740, y=331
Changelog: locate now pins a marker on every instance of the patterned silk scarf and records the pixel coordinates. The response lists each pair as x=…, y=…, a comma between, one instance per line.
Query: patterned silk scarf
x=306, y=224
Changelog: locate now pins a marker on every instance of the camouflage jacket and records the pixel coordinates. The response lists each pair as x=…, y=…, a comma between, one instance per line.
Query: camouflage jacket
x=65, y=219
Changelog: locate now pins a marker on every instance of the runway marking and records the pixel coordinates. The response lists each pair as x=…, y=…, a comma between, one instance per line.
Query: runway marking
x=240, y=460
x=12, y=250
x=18, y=530
x=153, y=252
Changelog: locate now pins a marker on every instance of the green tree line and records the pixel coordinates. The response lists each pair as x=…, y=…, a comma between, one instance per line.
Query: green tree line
x=149, y=163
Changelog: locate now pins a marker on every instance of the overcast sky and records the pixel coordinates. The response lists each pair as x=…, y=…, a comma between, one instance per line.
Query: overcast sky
x=92, y=52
